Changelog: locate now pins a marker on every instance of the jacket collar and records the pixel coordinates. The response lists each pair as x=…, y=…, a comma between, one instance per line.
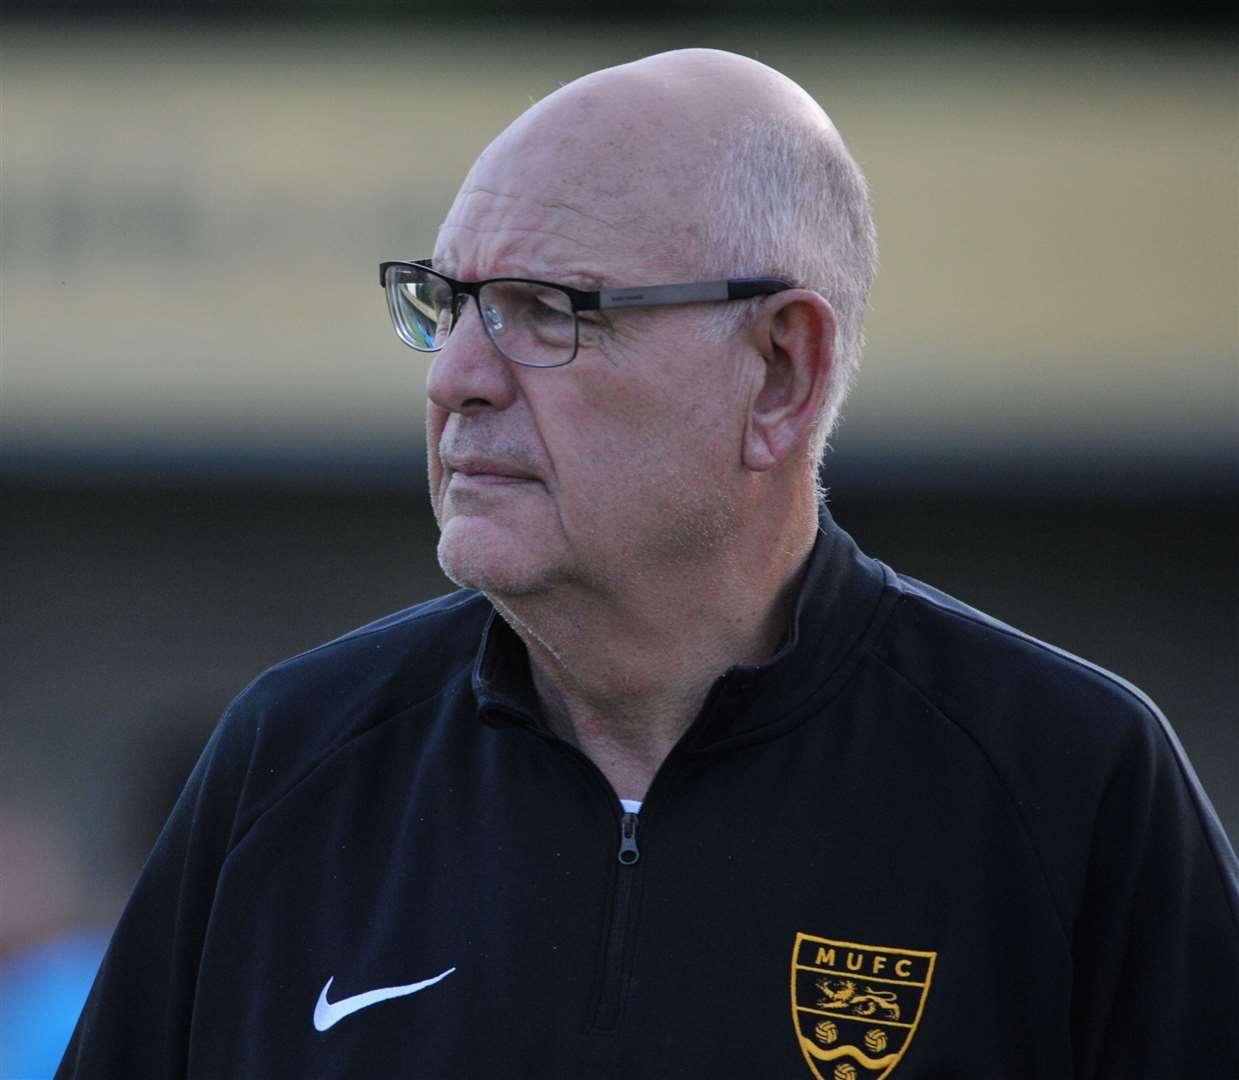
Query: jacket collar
x=835, y=611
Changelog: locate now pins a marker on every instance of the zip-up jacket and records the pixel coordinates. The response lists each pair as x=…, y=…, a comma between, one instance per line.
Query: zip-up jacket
x=915, y=842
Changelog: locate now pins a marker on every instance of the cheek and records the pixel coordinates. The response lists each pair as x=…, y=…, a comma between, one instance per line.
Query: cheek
x=626, y=448
x=436, y=421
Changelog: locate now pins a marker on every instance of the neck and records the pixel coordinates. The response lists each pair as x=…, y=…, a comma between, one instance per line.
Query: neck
x=622, y=673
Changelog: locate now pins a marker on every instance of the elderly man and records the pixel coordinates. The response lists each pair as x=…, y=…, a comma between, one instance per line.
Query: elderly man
x=680, y=783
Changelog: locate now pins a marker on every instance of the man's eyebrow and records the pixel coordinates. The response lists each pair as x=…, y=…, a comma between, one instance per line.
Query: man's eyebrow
x=582, y=280
x=586, y=282
x=440, y=258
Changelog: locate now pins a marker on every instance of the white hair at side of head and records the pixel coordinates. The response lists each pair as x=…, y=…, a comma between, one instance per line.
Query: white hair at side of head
x=789, y=201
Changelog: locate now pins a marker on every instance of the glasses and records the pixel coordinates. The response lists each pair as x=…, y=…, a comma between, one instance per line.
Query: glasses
x=532, y=323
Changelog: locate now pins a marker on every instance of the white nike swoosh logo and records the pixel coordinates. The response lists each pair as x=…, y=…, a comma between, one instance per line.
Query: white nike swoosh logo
x=327, y=1013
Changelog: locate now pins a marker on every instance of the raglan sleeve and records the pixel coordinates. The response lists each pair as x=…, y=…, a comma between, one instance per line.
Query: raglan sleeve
x=136, y=1020
x=1156, y=938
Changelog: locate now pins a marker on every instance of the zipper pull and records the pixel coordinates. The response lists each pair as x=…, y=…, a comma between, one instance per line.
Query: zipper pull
x=628, y=852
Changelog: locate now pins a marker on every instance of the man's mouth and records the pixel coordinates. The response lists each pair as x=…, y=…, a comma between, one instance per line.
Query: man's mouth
x=480, y=472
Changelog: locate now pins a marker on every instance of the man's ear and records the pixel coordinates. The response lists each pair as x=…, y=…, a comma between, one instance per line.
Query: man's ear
x=794, y=334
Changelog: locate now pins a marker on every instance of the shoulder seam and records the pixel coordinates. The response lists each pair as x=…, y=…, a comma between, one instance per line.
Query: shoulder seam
x=332, y=751
x=1195, y=790
x=1002, y=783
x=996, y=626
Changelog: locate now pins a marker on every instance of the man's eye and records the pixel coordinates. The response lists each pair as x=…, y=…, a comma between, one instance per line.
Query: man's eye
x=550, y=309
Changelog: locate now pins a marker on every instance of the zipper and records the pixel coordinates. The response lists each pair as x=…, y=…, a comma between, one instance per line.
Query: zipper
x=629, y=853
x=624, y=879
x=610, y=991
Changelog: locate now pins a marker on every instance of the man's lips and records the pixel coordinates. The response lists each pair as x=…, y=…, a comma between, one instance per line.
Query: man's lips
x=480, y=472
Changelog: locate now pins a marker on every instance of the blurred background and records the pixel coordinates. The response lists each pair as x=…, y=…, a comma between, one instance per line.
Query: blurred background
x=212, y=446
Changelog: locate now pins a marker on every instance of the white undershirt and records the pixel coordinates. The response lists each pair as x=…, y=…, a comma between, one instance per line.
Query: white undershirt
x=631, y=806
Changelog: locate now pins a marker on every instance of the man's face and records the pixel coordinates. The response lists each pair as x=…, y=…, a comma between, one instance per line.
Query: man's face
x=617, y=466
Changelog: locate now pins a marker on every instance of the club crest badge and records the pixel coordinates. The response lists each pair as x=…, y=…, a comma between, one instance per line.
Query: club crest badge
x=856, y=1007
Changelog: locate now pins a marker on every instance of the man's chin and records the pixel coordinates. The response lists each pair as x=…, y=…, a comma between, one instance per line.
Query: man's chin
x=475, y=553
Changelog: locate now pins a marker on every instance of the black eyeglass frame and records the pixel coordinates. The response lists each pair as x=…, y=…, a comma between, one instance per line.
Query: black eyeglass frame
x=628, y=296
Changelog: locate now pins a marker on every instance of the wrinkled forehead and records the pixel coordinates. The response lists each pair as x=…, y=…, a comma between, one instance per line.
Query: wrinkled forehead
x=583, y=195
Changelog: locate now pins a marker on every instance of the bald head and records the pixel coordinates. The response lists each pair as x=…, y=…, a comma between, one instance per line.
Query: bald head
x=677, y=107
x=695, y=164
x=639, y=143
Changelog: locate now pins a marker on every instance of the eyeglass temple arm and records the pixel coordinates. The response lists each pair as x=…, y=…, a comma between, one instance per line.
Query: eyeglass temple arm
x=648, y=295
x=658, y=295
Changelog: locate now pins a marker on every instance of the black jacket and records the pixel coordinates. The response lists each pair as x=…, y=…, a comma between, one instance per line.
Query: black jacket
x=916, y=841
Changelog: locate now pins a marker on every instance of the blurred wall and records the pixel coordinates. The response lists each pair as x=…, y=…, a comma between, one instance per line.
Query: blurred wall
x=211, y=435
x=192, y=222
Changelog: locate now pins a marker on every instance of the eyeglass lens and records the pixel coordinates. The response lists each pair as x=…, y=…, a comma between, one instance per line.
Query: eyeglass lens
x=530, y=324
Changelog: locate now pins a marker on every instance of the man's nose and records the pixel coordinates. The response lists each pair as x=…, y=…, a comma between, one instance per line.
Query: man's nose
x=469, y=374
